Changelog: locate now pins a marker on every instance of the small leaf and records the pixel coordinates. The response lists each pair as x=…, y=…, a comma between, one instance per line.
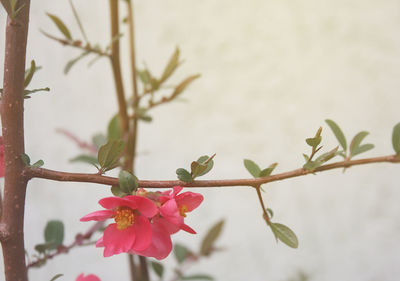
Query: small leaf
x=311, y=165
x=396, y=138
x=207, y=244
x=26, y=160
x=355, y=143
x=338, y=133
x=158, y=268
x=37, y=164
x=144, y=76
x=42, y=248
x=183, y=85
x=84, y=158
x=116, y=191
x=197, y=168
x=252, y=167
x=306, y=157
x=181, y=252
x=109, y=154
x=206, y=160
x=127, y=181
x=327, y=156
x=285, y=234
x=314, y=142
x=27, y=93
x=72, y=62
x=173, y=63
x=29, y=74
x=270, y=212
x=54, y=232
x=184, y=175
x=114, y=128
x=56, y=277
x=60, y=25
x=267, y=171
x=363, y=148
x=197, y=277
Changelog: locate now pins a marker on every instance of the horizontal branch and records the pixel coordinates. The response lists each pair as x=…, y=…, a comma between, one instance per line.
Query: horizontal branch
x=96, y=178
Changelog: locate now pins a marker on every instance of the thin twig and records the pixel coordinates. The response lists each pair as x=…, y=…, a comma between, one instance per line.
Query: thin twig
x=96, y=178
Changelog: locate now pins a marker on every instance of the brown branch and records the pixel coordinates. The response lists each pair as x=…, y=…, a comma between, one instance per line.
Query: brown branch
x=96, y=178
x=6, y=6
x=12, y=118
x=79, y=238
x=116, y=66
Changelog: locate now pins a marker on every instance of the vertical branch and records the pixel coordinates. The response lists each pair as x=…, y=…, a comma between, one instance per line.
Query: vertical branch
x=12, y=220
x=116, y=66
x=132, y=139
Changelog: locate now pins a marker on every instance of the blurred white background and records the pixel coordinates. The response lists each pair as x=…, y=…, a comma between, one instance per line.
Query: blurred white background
x=272, y=72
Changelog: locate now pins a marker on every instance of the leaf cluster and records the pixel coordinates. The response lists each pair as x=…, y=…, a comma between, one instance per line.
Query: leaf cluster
x=198, y=168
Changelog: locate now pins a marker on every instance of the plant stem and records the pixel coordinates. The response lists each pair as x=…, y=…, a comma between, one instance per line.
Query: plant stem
x=12, y=117
x=95, y=178
x=116, y=66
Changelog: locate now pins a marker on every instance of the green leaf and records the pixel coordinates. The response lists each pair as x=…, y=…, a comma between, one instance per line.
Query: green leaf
x=72, y=62
x=109, y=154
x=173, y=63
x=270, y=212
x=338, y=133
x=99, y=140
x=267, y=171
x=197, y=277
x=56, y=277
x=362, y=148
x=26, y=160
x=42, y=248
x=181, y=252
x=314, y=142
x=311, y=165
x=114, y=128
x=29, y=74
x=37, y=164
x=207, y=244
x=183, y=85
x=355, y=143
x=116, y=191
x=60, y=25
x=84, y=158
x=184, y=175
x=285, y=234
x=327, y=156
x=54, y=232
x=127, y=181
x=144, y=76
x=206, y=160
x=252, y=167
x=197, y=168
x=396, y=138
x=158, y=268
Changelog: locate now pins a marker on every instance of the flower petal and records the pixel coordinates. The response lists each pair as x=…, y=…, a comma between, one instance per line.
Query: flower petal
x=169, y=210
x=142, y=229
x=98, y=215
x=113, y=202
x=187, y=228
x=190, y=199
x=100, y=242
x=90, y=277
x=118, y=241
x=161, y=244
x=145, y=206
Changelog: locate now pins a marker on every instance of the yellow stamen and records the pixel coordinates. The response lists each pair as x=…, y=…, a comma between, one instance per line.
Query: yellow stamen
x=124, y=217
x=182, y=210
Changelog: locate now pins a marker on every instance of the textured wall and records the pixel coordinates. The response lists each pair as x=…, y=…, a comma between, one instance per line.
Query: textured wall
x=272, y=71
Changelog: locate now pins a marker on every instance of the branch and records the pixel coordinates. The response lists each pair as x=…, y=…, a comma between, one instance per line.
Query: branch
x=79, y=238
x=96, y=178
x=116, y=66
x=6, y=6
x=12, y=118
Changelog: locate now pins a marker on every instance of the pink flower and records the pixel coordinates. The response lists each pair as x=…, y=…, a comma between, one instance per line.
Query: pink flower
x=90, y=277
x=1, y=157
x=174, y=208
x=132, y=230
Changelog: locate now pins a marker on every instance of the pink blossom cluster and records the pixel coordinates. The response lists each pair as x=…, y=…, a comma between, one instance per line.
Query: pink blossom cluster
x=144, y=222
